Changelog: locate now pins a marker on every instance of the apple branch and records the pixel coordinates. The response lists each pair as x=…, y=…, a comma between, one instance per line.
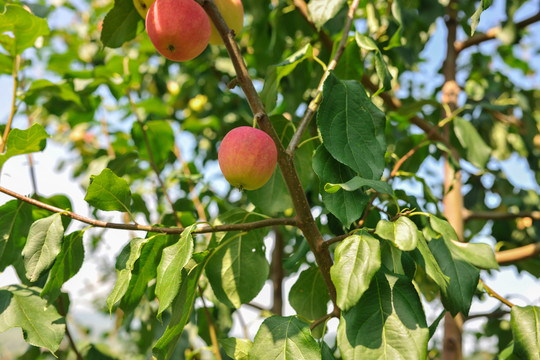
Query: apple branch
x=493, y=294
x=494, y=215
x=15, y=74
x=492, y=33
x=305, y=220
x=517, y=254
x=314, y=104
x=165, y=230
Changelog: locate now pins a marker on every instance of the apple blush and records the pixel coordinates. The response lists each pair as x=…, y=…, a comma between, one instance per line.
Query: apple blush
x=247, y=157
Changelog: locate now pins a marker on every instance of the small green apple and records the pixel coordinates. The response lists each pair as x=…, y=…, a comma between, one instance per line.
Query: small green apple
x=247, y=157
x=233, y=14
x=179, y=29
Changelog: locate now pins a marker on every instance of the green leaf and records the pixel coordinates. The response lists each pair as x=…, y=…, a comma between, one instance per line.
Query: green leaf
x=22, y=307
x=352, y=127
x=23, y=26
x=161, y=138
x=381, y=68
x=124, y=267
x=402, y=232
x=145, y=269
x=108, y=192
x=169, y=271
x=387, y=323
x=360, y=183
x=42, y=246
x=6, y=64
x=286, y=338
x=181, y=307
x=366, y=42
x=383, y=73
x=475, y=18
x=15, y=221
x=357, y=259
x=435, y=324
x=477, y=151
x=237, y=349
x=239, y=268
x=526, y=330
x=479, y=255
x=395, y=40
x=67, y=264
x=277, y=72
x=309, y=295
x=121, y=24
x=320, y=11
x=26, y=141
x=463, y=278
x=346, y=206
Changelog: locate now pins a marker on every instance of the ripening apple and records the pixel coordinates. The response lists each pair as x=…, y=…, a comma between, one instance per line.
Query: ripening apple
x=247, y=157
x=233, y=14
x=179, y=29
x=142, y=6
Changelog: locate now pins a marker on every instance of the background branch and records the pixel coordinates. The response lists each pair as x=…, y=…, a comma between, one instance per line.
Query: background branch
x=492, y=33
x=166, y=230
x=494, y=215
x=301, y=6
x=517, y=254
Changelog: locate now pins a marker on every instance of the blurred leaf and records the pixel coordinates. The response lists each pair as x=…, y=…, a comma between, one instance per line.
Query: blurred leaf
x=477, y=152
x=354, y=136
x=237, y=349
x=402, y=232
x=108, y=192
x=277, y=72
x=43, y=245
x=24, y=26
x=320, y=11
x=6, y=64
x=286, y=338
x=121, y=24
x=181, y=307
x=15, y=221
x=387, y=323
x=161, y=138
x=124, y=267
x=357, y=183
x=475, y=19
x=526, y=329
x=357, y=259
x=309, y=295
x=365, y=42
x=67, y=264
x=26, y=141
x=346, y=206
x=22, y=307
x=169, y=270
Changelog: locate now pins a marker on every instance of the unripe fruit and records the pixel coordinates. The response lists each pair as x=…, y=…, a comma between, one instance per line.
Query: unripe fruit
x=233, y=14
x=142, y=6
x=179, y=29
x=247, y=157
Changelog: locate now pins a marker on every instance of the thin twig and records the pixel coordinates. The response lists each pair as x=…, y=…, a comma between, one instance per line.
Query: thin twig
x=62, y=312
x=405, y=157
x=336, y=239
x=15, y=74
x=211, y=327
x=490, y=315
x=151, y=159
x=165, y=230
x=314, y=104
x=319, y=321
x=492, y=33
x=493, y=294
x=105, y=132
x=495, y=215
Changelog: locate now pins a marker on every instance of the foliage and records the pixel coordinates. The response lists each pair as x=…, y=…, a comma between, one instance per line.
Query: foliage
x=356, y=140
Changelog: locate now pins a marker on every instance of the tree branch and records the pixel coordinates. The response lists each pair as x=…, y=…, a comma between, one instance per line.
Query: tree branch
x=493, y=294
x=15, y=74
x=305, y=220
x=495, y=215
x=165, y=230
x=517, y=254
x=301, y=6
x=314, y=104
x=492, y=34
x=490, y=315
x=211, y=327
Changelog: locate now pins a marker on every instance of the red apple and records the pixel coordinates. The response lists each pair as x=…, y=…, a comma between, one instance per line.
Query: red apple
x=247, y=157
x=179, y=29
x=233, y=14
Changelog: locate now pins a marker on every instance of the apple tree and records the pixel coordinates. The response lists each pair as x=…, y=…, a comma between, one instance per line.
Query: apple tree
x=392, y=122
